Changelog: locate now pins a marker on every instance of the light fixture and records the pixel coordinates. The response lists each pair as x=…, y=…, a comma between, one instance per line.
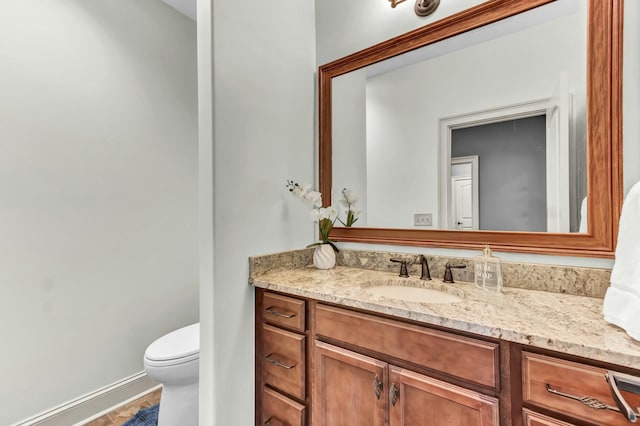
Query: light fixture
x=394, y=3
x=426, y=7
x=422, y=7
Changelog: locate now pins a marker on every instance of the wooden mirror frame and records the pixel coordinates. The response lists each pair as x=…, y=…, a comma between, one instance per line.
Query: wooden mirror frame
x=604, y=135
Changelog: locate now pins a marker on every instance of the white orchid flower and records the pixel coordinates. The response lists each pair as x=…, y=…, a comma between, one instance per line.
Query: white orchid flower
x=323, y=213
x=315, y=215
x=325, y=216
x=301, y=190
x=332, y=213
x=349, y=197
x=314, y=197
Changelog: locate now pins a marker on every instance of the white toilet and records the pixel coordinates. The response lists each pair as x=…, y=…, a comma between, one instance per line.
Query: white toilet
x=173, y=360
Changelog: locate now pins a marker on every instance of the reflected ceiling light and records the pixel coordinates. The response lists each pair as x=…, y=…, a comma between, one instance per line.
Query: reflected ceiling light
x=422, y=7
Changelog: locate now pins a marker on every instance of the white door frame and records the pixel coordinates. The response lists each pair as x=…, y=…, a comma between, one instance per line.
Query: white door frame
x=556, y=173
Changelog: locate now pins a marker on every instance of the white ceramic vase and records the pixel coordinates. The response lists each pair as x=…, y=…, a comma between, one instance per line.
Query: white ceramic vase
x=324, y=257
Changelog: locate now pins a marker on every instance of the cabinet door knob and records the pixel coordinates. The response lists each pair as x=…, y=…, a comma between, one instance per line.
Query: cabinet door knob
x=377, y=387
x=394, y=394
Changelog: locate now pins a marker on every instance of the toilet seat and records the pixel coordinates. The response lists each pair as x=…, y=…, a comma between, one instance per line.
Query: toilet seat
x=178, y=347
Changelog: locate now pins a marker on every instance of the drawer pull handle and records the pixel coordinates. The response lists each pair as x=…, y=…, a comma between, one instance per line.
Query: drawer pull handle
x=272, y=421
x=590, y=402
x=394, y=394
x=377, y=387
x=627, y=383
x=277, y=362
x=273, y=312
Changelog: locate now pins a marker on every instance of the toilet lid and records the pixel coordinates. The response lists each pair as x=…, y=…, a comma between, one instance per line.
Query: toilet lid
x=181, y=343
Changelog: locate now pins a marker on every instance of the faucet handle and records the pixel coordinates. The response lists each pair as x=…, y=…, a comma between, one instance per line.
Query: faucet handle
x=403, y=267
x=448, y=275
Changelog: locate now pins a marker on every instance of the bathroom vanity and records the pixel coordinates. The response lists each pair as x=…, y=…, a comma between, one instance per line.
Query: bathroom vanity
x=331, y=352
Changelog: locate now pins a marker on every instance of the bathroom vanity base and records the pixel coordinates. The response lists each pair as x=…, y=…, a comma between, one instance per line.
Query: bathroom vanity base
x=332, y=365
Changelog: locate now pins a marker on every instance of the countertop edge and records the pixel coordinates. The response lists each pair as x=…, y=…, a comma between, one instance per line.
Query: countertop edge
x=535, y=340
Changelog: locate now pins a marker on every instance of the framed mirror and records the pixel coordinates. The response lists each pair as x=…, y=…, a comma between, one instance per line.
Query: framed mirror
x=498, y=125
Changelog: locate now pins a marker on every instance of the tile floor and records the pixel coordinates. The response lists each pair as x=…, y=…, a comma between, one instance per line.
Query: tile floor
x=121, y=414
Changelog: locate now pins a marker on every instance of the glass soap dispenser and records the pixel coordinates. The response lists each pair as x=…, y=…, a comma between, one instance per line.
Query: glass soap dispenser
x=488, y=271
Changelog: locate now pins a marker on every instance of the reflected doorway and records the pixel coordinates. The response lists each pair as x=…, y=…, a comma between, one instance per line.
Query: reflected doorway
x=512, y=177
x=464, y=193
x=527, y=178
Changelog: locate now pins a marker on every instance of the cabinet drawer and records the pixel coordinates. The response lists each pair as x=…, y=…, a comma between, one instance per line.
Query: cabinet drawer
x=531, y=418
x=278, y=410
x=283, y=362
x=469, y=359
x=540, y=372
x=284, y=311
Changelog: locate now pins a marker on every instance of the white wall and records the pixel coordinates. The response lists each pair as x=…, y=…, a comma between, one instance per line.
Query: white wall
x=263, y=92
x=343, y=27
x=98, y=184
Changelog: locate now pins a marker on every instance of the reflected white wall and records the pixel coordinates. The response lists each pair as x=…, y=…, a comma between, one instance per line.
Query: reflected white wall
x=349, y=157
x=404, y=109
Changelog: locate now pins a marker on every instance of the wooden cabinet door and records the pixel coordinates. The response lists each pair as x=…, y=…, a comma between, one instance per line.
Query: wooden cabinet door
x=350, y=389
x=418, y=400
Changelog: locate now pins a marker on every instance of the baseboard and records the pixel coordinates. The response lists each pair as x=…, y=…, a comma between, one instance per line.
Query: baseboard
x=94, y=404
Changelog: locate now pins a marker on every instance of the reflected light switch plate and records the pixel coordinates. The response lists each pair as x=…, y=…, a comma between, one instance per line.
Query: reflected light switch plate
x=422, y=219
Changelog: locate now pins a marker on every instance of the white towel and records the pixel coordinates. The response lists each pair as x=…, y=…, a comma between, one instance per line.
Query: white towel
x=583, y=216
x=622, y=301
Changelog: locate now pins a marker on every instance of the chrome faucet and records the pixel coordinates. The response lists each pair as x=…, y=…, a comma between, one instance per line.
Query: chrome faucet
x=425, y=275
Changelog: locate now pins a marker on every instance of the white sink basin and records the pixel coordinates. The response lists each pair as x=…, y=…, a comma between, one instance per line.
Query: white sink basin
x=412, y=294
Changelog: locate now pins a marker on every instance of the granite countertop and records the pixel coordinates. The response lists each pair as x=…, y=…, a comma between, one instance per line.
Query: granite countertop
x=565, y=323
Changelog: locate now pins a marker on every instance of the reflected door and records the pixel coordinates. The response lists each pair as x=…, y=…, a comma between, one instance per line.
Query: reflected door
x=462, y=197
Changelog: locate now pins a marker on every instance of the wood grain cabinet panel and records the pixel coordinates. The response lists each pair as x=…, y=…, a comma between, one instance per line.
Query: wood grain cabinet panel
x=544, y=377
x=283, y=362
x=419, y=400
x=469, y=359
x=531, y=418
x=284, y=311
x=349, y=388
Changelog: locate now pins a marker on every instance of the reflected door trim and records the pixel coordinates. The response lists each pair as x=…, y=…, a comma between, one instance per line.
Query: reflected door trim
x=604, y=134
x=558, y=113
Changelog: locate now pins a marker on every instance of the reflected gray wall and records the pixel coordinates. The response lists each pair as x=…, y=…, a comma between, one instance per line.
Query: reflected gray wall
x=512, y=172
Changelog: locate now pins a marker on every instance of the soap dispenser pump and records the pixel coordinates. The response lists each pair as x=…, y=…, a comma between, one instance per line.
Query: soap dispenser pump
x=488, y=271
